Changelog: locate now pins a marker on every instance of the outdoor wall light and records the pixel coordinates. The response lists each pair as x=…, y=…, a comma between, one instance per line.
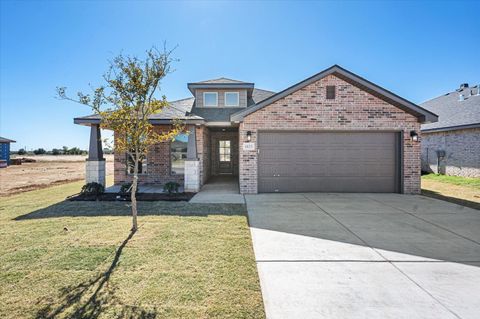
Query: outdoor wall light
x=414, y=136
x=249, y=136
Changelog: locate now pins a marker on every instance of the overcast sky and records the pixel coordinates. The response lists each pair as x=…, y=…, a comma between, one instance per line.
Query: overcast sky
x=418, y=50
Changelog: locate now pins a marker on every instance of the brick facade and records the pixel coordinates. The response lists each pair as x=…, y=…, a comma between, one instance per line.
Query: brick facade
x=158, y=165
x=462, y=152
x=203, y=152
x=352, y=109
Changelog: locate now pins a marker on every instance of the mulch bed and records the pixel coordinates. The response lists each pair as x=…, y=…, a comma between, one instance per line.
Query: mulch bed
x=146, y=197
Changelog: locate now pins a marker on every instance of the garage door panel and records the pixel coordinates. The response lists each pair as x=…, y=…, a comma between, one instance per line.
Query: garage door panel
x=327, y=162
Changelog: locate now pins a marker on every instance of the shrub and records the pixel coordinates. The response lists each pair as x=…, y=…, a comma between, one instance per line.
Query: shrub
x=21, y=151
x=93, y=189
x=39, y=151
x=171, y=187
x=127, y=188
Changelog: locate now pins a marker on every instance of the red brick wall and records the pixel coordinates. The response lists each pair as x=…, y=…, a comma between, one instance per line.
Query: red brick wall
x=352, y=109
x=158, y=165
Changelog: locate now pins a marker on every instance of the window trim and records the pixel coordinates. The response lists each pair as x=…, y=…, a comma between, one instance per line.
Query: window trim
x=216, y=99
x=127, y=158
x=231, y=105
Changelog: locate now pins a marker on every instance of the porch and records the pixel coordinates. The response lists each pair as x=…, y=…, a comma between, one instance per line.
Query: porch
x=206, y=159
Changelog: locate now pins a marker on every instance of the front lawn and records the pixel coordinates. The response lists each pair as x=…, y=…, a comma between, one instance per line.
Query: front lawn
x=454, y=180
x=460, y=190
x=78, y=259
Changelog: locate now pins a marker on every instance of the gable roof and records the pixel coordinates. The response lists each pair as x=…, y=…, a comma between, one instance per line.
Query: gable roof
x=218, y=81
x=6, y=140
x=422, y=114
x=452, y=113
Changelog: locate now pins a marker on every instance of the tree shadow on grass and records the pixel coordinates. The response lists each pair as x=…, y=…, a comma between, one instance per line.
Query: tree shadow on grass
x=93, y=209
x=455, y=200
x=89, y=299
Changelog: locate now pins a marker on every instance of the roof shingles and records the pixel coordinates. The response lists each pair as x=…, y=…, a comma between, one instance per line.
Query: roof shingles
x=453, y=113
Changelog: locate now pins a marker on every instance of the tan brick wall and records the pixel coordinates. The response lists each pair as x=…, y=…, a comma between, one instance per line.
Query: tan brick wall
x=352, y=109
x=158, y=165
x=462, y=152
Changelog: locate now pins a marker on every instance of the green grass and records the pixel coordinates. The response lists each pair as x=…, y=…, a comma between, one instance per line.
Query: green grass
x=77, y=259
x=455, y=180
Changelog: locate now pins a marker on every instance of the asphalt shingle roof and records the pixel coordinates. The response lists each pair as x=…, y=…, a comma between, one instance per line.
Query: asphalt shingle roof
x=219, y=81
x=452, y=112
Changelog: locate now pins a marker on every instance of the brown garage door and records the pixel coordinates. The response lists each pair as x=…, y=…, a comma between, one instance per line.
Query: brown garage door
x=328, y=162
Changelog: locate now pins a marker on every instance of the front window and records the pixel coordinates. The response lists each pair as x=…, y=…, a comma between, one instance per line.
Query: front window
x=224, y=151
x=210, y=99
x=178, y=154
x=232, y=99
x=142, y=164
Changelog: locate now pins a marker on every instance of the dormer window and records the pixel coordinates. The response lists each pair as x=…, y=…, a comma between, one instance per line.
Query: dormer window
x=210, y=98
x=232, y=99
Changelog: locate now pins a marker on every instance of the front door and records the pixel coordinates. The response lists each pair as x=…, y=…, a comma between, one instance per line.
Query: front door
x=225, y=157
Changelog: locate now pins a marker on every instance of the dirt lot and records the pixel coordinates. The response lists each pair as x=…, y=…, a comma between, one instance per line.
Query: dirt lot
x=47, y=170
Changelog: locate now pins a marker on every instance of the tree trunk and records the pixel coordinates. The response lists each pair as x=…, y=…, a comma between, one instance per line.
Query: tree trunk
x=133, y=195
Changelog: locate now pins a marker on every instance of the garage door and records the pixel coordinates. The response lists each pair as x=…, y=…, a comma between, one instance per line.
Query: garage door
x=328, y=162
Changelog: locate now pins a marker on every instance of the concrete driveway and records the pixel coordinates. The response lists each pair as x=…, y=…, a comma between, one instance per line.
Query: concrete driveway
x=365, y=256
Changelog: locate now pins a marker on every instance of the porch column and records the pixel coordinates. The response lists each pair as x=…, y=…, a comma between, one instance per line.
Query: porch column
x=95, y=165
x=192, y=163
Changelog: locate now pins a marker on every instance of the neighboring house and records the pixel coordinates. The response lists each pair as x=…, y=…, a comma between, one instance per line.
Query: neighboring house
x=451, y=146
x=332, y=132
x=5, y=151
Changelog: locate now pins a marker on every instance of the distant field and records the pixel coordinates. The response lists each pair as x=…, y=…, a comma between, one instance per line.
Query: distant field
x=59, y=158
x=47, y=170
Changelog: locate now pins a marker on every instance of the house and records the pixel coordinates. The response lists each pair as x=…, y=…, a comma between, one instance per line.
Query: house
x=332, y=132
x=451, y=146
x=5, y=151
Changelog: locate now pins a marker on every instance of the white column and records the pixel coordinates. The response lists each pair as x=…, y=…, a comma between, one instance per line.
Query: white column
x=95, y=172
x=192, y=175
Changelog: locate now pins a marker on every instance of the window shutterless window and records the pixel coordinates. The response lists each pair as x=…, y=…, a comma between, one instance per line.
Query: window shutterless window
x=330, y=92
x=178, y=154
x=142, y=164
x=210, y=99
x=224, y=151
x=232, y=99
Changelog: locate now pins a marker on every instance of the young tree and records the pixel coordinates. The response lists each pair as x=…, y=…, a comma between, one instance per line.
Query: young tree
x=125, y=104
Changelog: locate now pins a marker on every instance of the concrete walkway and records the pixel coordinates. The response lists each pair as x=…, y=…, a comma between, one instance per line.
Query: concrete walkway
x=365, y=256
x=220, y=189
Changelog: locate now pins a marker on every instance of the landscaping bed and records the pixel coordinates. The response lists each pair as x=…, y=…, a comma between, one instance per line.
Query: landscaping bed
x=146, y=197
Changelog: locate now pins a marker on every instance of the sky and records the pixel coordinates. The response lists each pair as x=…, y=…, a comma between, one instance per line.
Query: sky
x=418, y=50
